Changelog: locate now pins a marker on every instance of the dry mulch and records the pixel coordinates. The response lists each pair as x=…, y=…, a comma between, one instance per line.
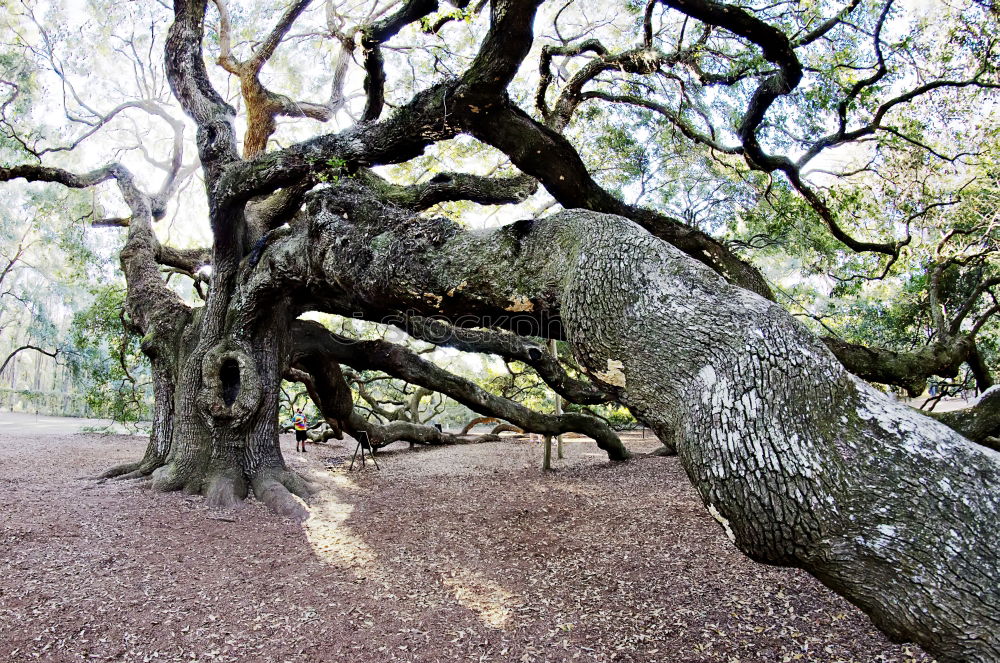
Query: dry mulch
x=450, y=554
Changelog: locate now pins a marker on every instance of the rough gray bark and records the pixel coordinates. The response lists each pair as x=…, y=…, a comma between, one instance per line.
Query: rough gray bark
x=802, y=464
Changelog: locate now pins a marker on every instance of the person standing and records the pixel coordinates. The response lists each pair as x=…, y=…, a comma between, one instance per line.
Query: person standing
x=301, y=425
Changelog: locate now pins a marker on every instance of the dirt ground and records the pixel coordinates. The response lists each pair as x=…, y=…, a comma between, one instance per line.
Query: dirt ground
x=450, y=554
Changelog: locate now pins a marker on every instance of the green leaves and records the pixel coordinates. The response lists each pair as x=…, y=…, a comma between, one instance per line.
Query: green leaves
x=107, y=359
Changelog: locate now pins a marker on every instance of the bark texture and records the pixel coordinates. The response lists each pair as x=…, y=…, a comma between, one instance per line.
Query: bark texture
x=802, y=463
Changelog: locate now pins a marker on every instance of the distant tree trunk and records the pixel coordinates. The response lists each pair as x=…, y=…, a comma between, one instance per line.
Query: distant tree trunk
x=554, y=351
x=162, y=430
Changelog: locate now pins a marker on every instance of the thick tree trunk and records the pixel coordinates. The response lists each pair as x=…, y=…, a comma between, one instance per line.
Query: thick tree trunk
x=161, y=432
x=803, y=464
x=216, y=385
x=225, y=438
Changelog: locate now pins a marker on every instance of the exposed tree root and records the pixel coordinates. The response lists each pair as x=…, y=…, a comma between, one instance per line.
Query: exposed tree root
x=296, y=483
x=151, y=465
x=136, y=474
x=134, y=470
x=120, y=471
x=505, y=428
x=223, y=480
x=171, y=477
x=283, y=493
x=226, y=490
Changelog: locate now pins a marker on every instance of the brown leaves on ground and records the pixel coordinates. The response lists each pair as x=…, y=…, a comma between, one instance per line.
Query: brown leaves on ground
x=447, y=554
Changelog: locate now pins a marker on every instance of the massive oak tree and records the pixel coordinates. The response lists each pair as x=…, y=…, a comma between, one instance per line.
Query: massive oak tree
x=801, y=462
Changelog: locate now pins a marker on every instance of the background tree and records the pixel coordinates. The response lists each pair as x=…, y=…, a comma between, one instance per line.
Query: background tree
x=802, y=463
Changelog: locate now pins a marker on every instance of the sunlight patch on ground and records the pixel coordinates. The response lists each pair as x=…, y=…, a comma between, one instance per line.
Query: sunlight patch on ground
x=327, y=531
x=342, y=481
x=490, y=601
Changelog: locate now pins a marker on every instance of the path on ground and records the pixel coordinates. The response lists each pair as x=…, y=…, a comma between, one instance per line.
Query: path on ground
x=26, y=422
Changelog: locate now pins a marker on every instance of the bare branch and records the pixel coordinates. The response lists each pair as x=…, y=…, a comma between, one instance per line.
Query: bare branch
x=823, y=28
x=266, y=49
x=445, y=187
x=512, y=348
x=312, y=338
x=10, y=357
x=149, y=296
x=969, y=304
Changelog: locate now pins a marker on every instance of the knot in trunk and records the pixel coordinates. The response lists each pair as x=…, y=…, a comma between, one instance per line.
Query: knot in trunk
x=231, y=388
